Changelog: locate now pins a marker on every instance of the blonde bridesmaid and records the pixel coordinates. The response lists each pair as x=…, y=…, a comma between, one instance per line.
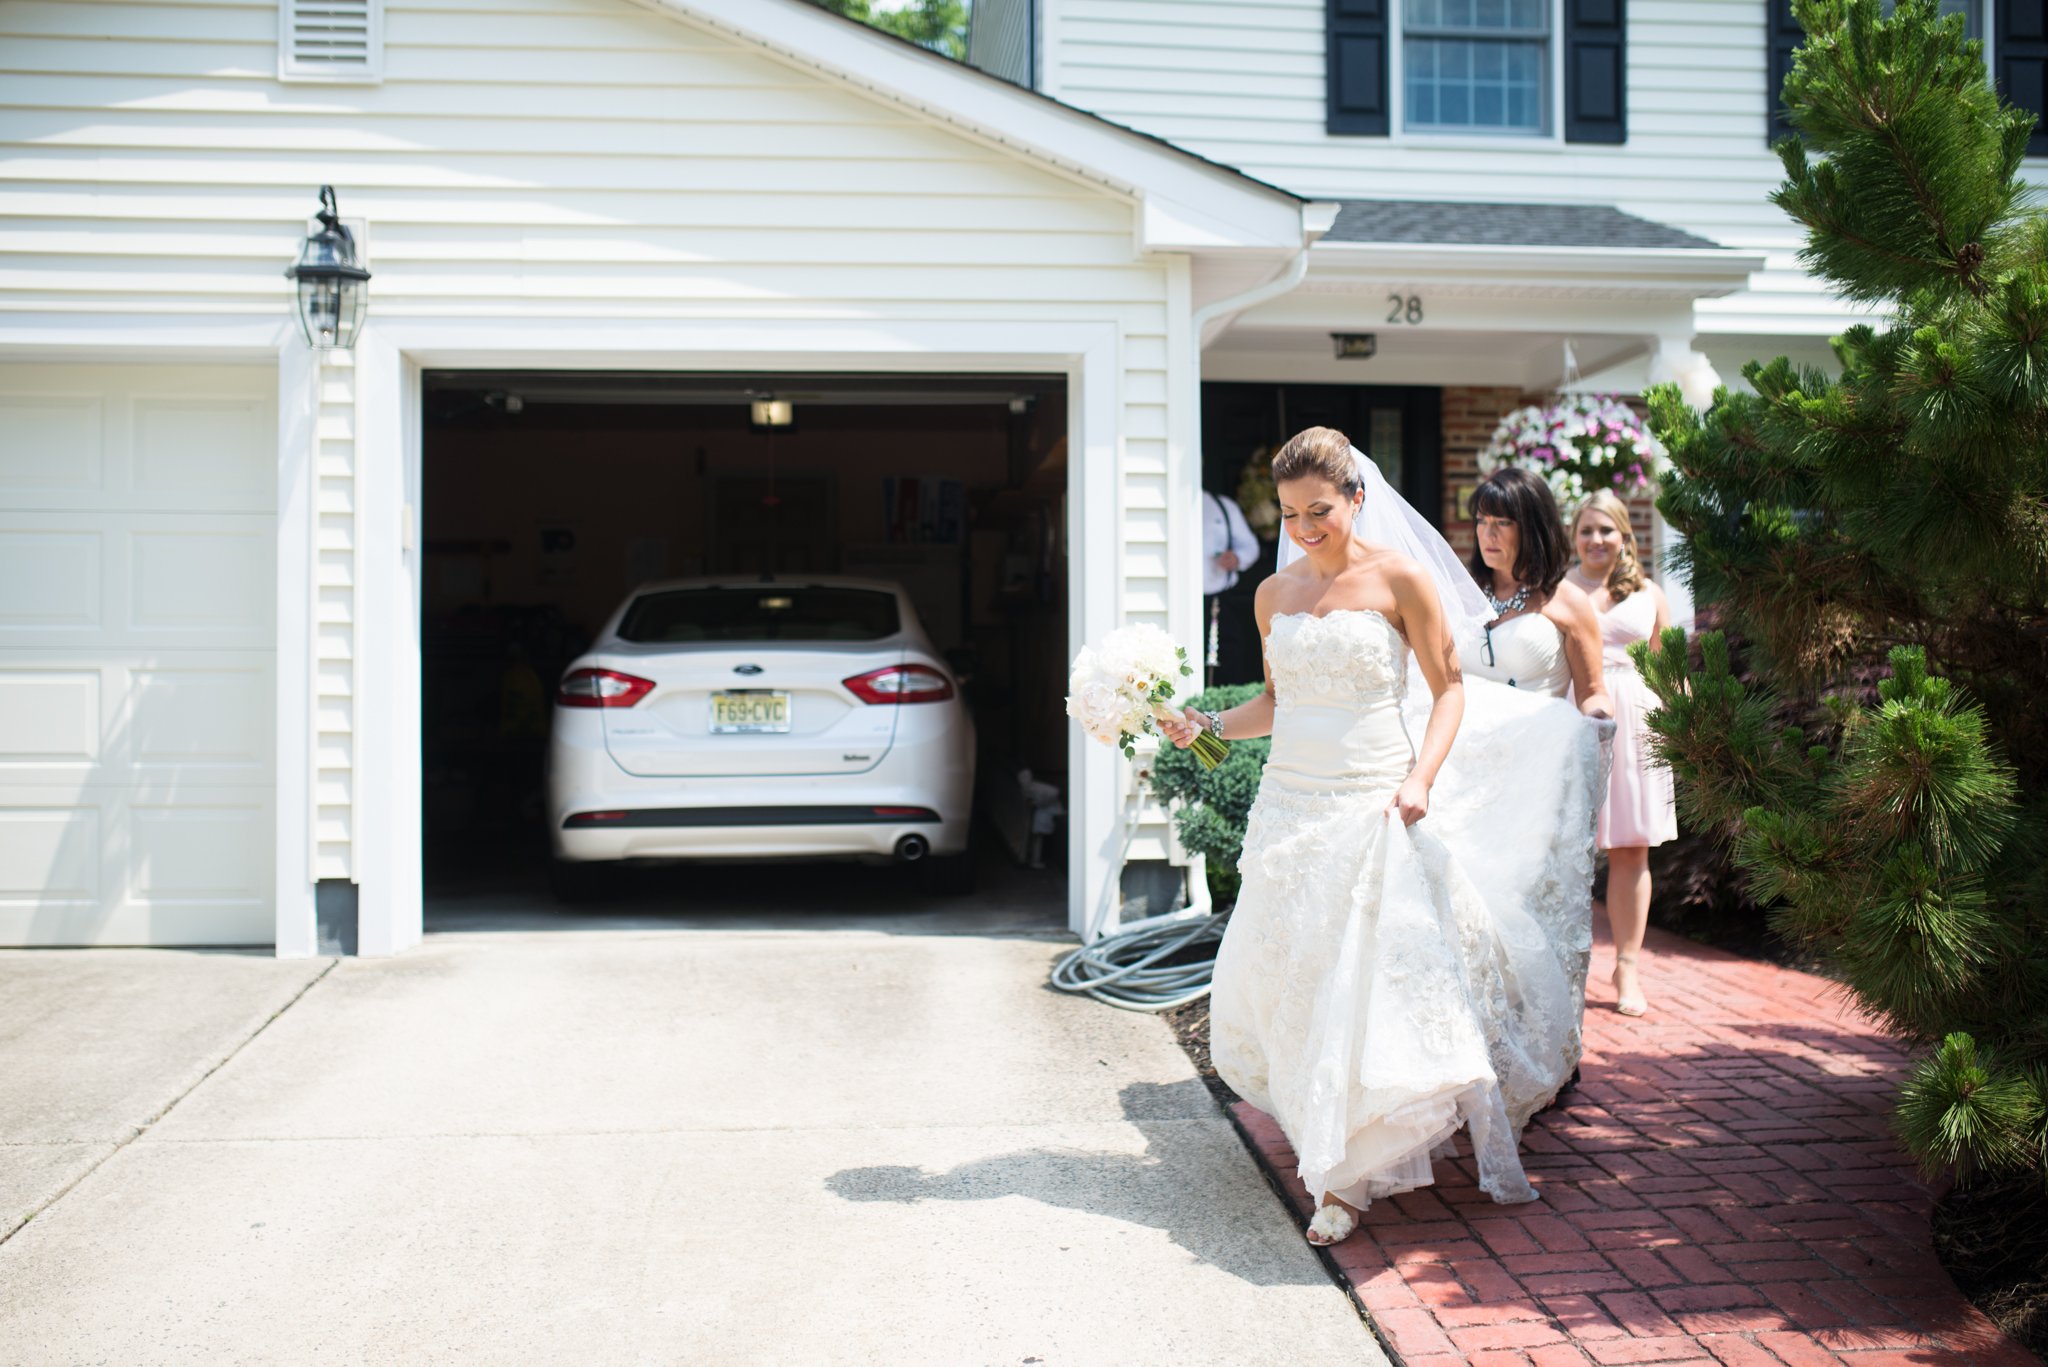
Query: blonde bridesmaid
x=1639, y=811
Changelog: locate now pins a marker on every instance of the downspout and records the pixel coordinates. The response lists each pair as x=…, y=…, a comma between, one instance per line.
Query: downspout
x=1297, y=270
x=1316, y=219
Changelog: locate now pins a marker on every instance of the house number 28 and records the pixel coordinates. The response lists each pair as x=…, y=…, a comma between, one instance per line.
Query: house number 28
x=1405, y=309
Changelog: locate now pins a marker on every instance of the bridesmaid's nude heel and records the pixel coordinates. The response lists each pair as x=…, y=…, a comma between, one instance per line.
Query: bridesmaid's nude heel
x=1626, y=1006
x=1333, y=1225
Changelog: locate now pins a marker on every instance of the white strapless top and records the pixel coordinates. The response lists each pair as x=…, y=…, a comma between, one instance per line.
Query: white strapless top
x=1526, y=652
x=1338, y=682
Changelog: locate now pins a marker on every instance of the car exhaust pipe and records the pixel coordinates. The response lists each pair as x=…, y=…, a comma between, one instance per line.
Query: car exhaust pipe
x=912, y=848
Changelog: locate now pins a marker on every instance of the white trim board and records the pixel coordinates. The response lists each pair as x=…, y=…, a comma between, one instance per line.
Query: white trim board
x=388, y=362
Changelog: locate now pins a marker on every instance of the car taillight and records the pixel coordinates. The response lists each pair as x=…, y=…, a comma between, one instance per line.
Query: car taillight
x=601, y=688
x=901, y=683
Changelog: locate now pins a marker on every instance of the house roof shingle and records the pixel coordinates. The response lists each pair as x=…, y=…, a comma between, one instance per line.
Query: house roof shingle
x=1504, y=225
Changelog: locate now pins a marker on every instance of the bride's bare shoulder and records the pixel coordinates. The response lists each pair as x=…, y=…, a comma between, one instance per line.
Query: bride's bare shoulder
x=1401, y=571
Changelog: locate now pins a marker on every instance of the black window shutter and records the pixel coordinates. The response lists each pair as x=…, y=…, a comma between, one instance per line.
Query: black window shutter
x=2020, y=45
x=1595, y=71
x=1784, y=35
x=1356, y=49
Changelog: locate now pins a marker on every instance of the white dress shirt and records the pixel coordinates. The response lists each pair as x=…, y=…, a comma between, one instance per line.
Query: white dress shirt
x=1224, y=529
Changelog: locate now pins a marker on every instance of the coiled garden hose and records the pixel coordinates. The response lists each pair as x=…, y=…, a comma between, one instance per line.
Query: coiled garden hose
x=1146, y=968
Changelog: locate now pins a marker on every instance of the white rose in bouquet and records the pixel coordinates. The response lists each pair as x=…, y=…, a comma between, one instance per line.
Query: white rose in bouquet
x=1095, y=701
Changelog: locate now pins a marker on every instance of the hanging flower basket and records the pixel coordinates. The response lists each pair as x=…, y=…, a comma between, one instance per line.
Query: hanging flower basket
x=1578, y=443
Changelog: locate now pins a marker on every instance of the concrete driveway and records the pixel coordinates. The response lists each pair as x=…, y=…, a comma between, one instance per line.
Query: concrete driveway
x=754, y=1135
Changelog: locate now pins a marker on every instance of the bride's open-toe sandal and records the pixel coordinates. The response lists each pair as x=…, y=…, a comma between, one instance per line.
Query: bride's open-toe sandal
x=1333, y=1225
x=1626, y=1006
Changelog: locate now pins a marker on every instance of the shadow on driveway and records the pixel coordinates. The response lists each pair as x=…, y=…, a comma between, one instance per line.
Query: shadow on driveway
x=1236, y=1227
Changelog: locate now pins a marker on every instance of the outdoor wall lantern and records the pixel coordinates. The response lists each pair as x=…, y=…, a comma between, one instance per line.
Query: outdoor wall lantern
x=334, y=289
x=773, y=412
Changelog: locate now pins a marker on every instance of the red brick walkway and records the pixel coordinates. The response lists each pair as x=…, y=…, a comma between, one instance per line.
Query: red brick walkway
x=1720, y=1190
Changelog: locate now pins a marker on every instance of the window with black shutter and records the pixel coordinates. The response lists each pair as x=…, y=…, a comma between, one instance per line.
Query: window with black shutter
x=1784, y=35
x=1355, y=47
x=1595, y=71
x=2020, y=51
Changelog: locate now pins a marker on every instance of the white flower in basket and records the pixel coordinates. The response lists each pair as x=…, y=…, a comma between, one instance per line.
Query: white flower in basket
x=1580, y=443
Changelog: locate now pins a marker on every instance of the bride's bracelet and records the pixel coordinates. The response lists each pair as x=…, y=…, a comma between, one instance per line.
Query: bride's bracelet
x=1215, y=724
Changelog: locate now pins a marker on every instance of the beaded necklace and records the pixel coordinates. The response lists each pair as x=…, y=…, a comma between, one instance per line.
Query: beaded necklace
x=1503, y=606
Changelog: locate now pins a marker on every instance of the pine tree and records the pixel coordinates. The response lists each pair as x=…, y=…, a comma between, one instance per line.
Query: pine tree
x=1881, y=540
x=940, y=25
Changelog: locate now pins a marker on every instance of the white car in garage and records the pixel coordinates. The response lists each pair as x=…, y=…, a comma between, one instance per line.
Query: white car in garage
x=748, y=717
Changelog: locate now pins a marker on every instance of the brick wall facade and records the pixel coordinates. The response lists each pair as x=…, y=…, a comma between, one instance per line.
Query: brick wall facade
x=1469, y=417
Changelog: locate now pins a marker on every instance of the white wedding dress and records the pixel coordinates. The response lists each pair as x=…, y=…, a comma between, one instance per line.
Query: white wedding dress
x=1518, y=797
x=1380, y=986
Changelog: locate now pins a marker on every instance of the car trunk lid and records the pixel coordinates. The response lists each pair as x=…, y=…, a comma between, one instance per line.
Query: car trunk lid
x=672, y=732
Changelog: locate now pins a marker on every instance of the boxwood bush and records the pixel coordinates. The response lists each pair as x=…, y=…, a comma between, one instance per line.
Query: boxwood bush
x=1210, y=806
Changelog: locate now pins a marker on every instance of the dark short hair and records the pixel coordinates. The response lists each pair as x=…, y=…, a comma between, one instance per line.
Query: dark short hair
x=1524, y=499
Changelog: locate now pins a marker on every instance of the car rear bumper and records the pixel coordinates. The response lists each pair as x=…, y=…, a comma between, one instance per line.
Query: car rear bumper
x=923, y=789
x=715, y=839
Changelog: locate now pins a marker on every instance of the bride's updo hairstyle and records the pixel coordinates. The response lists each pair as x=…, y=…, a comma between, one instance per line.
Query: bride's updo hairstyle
x=1513, y=493
x=1318, y=453
x=1627, y=575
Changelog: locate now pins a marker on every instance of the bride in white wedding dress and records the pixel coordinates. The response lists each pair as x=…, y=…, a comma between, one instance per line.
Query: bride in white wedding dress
x=1367, y=994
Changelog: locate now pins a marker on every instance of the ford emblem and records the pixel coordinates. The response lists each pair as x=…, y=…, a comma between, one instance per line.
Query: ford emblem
x=746, y=669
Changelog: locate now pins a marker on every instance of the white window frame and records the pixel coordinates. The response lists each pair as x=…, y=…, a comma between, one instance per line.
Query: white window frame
x=298, y=73
x=1552, y=134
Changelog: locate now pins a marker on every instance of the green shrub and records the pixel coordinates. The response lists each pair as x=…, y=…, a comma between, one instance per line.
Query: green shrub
x=1210, y=806
x=1881, y=541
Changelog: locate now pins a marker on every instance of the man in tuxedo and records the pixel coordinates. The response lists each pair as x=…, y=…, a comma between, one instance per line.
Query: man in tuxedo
x=1230, y=637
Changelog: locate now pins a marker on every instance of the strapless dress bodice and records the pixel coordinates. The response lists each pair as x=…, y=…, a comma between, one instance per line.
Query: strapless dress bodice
x=1338, y=682
x=1525, y=652
x=1629, y=621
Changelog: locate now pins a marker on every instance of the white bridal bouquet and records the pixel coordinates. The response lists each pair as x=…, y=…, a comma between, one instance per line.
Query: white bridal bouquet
x=1121, y=685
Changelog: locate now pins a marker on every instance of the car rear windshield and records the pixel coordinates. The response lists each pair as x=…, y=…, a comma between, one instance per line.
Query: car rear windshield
x=761, y=612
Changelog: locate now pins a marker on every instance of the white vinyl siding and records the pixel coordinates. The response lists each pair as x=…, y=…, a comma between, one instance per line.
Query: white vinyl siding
x=1241, y=81
x=137, y=669
x=587, y=163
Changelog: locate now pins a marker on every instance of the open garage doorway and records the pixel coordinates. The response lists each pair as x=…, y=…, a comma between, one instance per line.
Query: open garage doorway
x=551, y=499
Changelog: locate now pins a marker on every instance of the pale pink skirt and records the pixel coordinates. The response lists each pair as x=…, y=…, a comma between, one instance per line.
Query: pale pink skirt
x=1640, y=807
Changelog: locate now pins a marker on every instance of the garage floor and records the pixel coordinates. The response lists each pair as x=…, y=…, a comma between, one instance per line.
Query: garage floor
x=793, y=1118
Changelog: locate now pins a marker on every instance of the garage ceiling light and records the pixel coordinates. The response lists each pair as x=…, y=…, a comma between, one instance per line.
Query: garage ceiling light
x=334, y=288
x=774, y=412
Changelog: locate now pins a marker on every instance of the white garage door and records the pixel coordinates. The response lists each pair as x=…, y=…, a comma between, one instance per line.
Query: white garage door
x=138, y=580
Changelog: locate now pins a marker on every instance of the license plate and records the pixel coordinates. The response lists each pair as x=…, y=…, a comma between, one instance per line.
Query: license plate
x=732, y=712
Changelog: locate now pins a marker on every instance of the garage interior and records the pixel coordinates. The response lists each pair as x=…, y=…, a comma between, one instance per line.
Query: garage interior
x=548, y=496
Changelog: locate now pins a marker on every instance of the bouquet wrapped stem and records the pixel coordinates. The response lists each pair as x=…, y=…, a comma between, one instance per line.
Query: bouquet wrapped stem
x=1208, y=748
x=1124, y=688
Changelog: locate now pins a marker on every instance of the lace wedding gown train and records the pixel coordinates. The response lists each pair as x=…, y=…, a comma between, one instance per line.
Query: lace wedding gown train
x=1518, y=797
x=1368, y=995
